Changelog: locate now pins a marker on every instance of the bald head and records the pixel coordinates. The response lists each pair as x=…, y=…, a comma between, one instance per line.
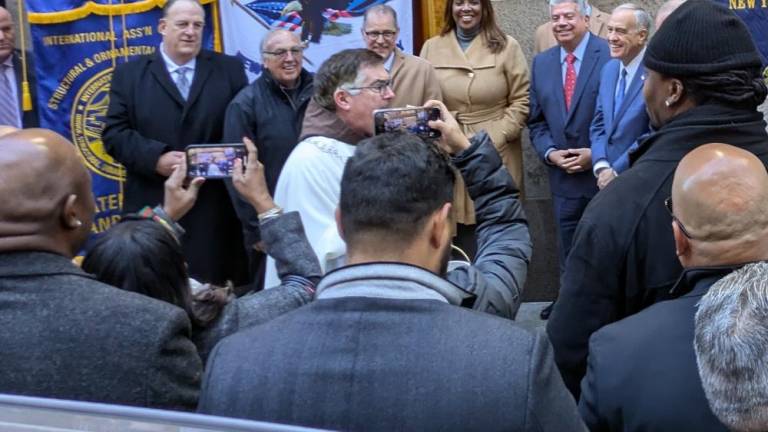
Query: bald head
x=5, y=130
x=720, y=194
x=665, y=10
x=47, y=201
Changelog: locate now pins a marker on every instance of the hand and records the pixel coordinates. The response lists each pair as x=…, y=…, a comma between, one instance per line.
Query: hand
x=453, y=139
x=251, y=184
x=581, y=161
x=605, y=176
x=179, y=199
x=559, y=158
x=167, y=161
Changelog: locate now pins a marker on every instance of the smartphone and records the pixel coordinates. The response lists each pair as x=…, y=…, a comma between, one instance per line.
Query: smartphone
x=411, y=120
x=214, y=160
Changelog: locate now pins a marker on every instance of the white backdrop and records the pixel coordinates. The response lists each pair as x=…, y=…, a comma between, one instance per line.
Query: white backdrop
x=244, y=22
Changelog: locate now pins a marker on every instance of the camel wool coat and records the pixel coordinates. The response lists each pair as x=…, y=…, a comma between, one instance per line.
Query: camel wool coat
x=413, y=81
x=484, y=91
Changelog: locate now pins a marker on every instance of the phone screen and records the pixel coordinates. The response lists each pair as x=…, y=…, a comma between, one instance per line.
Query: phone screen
x=214, y=161
x=411, y=120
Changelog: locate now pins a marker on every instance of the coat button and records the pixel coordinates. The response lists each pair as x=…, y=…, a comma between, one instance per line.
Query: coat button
x=471, y=74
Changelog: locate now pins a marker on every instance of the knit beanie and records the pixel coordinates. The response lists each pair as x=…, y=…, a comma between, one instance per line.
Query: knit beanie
x=700, y=38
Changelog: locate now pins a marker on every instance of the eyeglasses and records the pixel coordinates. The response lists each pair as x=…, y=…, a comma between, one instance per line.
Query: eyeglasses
x=668, y=205
x=380, y=86
x=282, y=53
x=386, y=34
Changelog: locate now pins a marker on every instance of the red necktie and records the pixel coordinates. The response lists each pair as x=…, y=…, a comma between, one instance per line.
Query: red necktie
x=570, y=79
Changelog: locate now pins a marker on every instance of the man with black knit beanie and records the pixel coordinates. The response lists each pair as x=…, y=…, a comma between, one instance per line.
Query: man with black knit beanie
x=703, y=85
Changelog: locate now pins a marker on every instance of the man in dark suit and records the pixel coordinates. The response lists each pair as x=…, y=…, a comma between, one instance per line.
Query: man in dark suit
x=642, y=372
x=65, y=335
x=564, y=85
x=620, y=117
x=384, y=345
x=12, y=79
x=160, y=104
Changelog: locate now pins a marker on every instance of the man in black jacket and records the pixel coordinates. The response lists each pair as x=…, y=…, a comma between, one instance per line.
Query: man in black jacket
x=158, y=105
x=702, y=86
x=385, y=346
x=642, y=372
x=65, y=335
x=270, y=112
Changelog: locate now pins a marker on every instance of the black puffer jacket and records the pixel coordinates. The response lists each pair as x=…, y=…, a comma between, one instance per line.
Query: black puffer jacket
x=265, y=113
x=504, y=247
x=623, y=255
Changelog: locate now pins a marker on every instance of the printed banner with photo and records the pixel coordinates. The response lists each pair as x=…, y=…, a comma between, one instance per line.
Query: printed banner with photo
x=77, y=44
x=329, y=25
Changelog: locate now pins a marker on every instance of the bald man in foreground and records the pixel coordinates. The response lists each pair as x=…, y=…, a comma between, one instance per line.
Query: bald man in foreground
x=642, y=372
x=65, y=335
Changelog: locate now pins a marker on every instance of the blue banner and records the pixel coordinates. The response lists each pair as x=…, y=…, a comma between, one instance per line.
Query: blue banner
x=755, y=14
x=77, y=44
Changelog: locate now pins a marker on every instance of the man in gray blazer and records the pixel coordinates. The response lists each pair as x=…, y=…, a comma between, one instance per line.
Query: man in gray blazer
x=385, y=345
x=65, y=335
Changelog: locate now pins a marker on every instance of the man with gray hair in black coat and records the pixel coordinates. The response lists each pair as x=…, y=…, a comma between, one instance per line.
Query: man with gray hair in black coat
x=385, y=346
x=65, y=335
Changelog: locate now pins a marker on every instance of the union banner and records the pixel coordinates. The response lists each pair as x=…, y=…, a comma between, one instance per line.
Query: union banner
x=77, y=44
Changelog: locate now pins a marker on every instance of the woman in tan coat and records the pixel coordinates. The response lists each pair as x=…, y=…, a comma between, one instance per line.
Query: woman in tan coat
x=484, y=80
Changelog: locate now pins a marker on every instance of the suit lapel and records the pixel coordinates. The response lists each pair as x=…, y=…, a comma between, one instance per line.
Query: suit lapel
x=588, y=64
x=202, y=72
x=555, y=71
x=16, y=60
x=632, y=93
x=160, y=73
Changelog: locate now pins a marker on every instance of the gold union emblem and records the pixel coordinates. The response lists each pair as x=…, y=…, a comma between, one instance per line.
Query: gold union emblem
x=87, y=123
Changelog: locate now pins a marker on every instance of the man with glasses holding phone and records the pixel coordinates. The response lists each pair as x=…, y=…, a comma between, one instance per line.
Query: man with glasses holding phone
x=349, y=86
x=270, y=112
x=413, y=78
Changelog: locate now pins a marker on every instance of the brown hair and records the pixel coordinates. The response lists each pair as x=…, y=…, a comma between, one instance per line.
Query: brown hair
x=495, y=39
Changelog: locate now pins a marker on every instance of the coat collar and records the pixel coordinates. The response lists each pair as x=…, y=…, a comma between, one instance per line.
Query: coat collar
x=203, y=68
x=395, y=281
x=695, y=281
x=447, y=53
x=30, y=263
x=688, y=130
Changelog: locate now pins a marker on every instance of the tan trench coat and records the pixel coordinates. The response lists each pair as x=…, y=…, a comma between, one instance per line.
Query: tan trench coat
x=485, y=91
x=413, y=81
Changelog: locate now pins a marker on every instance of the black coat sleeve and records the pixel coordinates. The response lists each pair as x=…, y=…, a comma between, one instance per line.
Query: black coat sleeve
x=504, y=247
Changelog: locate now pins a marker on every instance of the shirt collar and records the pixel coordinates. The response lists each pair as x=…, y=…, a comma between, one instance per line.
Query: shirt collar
x=697, y=277
x=171, y=66
x=634, y=64
x=579, y=51
x=389, y=61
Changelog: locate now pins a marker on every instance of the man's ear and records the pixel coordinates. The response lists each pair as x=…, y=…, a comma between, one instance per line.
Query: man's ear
x=676, y=91
x=342, y=99
x=339, y=227
x=682, y=245
x=71, y=219
x=440, y=226
x=161, y=26
x=586, y=19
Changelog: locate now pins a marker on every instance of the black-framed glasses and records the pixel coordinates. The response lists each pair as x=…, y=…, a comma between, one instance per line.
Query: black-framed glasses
x=668, y=205
x=380, y=86
x=386, y=34
x=282, y=53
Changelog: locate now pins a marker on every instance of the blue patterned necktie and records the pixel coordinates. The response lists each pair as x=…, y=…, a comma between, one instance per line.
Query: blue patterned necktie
x=620, y=92
x=9, y=106
x=182, y=82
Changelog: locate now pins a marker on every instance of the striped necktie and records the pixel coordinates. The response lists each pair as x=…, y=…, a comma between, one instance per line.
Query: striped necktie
x=9, y=105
